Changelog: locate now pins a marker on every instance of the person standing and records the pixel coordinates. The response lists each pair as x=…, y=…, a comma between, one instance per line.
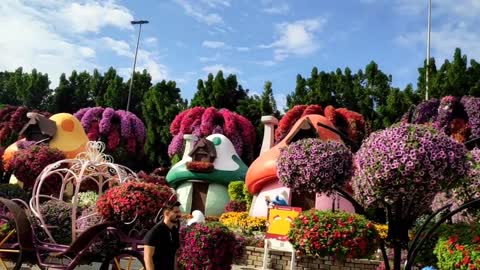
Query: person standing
x=162, y=241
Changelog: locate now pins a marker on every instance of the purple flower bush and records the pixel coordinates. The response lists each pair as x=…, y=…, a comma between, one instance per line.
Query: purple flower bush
x=409, y=164
x=314, y=165
x=471, y=106
x=123, y=132
x=426, y=111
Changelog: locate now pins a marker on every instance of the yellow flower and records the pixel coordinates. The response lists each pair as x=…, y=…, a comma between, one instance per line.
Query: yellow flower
x=382, y=230
x=241, y=220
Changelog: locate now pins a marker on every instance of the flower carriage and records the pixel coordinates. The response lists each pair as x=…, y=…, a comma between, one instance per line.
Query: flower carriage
x=32, y=238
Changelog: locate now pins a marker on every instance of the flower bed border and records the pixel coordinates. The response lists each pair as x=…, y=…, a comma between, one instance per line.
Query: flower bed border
x=253, y=257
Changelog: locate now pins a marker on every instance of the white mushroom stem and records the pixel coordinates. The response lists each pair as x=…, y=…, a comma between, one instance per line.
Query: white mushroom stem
x=189, y=139
x=269, y=122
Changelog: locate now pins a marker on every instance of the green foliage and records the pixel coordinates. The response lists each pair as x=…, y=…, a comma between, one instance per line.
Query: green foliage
x=10, y=191
x=248, y=196
x=58, y=215
x=87, y=199
x=160, y=106
x=459, y=247
x=235, y=191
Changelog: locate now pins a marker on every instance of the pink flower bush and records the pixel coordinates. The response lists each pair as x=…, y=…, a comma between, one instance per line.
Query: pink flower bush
x=208, y=246
x=314, y=165
x=202, y=122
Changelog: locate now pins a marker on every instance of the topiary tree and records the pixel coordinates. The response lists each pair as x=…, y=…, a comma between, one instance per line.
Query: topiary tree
x=400, y=170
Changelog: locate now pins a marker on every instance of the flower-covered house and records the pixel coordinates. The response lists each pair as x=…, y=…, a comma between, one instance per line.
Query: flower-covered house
x=202, y=176
x=262, y=177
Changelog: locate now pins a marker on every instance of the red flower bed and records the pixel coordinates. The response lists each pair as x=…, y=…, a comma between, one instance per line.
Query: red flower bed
x=124, y=202
x=339, y=235
x=27, y=164
x=200, y=166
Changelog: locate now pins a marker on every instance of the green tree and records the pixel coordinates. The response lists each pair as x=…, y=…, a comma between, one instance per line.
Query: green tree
x=142, y=82
x=299, y=96
x=161, y=103
x=267, y=100
x=114, y=91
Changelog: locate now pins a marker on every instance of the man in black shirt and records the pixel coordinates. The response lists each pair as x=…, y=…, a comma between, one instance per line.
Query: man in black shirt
x=162, y=241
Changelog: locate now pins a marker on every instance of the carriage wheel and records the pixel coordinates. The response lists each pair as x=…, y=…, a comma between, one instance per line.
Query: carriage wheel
x=124, y=260
x=10, y=250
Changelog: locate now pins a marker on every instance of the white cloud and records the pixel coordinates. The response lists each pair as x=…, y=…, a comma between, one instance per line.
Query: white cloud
x=209, y=59
x=92, y=16
x=45, y=35
x=151, y=41
x=216, y=3
x=120, y=47
x=267, y=63
x=296, y=38
x=243, y=49
x=199, y=13
x=213, y=44
x=277, y=8
x=215, y=68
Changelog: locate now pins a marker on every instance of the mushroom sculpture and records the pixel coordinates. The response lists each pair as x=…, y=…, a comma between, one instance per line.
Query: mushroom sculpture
x=262, y=180
x=201, y=178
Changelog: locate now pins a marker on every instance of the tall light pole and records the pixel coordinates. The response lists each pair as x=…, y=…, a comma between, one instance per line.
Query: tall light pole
x=428, y=45
x=135, y=60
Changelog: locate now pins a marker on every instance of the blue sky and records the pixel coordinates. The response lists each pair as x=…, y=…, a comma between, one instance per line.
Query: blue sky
x=257, y=40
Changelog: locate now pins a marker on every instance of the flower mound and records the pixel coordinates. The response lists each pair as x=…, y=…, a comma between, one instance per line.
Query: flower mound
x=407, y=162
x=208, y=246
x=124, y=202
x=339, y=235
x=315, y=166
x=242, y=221
x=236, y=206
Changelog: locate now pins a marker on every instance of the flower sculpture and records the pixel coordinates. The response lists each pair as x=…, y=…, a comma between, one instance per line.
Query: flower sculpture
x=458, y=117
x=12, y=119
x=202, y=122
x=314, y=165
x=115, y=128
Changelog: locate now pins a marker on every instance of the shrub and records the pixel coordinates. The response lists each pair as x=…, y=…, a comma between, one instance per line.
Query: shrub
x=314, y=165
x=124, y=202
x=87, y=199
x=248, y=196
x=339, y=235
x=152, y=178
x=28, y=163
x=459, y=247
x=208, y=246
x=235, y=191
x=9, y=191
x=241, y=221
x=57, y=215
x=236, y=206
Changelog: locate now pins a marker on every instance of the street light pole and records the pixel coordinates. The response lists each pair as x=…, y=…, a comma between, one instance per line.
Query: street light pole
x=428, y=45
x=135, y=59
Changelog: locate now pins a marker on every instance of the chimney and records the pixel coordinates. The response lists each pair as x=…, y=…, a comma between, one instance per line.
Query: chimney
x=189, y=139
x=269, y=122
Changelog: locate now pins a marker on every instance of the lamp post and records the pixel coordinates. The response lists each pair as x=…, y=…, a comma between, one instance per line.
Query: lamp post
x=135, y=59
x=428, y=45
